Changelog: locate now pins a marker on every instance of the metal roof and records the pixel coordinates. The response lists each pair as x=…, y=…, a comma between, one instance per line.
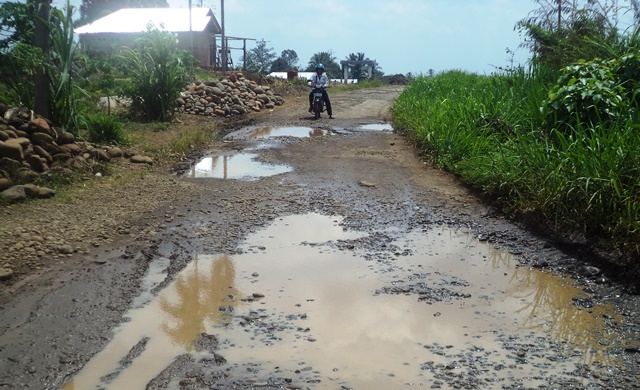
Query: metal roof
x=133, y=20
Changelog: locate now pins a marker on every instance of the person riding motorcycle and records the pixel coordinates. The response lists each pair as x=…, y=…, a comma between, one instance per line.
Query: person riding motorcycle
x=320, y=80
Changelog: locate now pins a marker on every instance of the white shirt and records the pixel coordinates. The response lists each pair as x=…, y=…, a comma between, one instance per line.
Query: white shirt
x=319, y=81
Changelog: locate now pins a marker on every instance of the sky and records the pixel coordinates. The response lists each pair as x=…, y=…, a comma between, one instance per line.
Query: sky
x=400, y=35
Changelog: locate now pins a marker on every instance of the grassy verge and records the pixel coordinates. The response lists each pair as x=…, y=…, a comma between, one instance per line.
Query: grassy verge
x=489, y=130
x=336, y=87
x=165, y=142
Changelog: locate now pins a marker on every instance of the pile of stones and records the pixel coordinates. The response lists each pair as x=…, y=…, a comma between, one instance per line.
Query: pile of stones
x=228, y=96
x=31, y=145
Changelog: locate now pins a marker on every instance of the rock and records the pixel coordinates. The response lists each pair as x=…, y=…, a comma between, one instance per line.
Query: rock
x=5, y=183
x=35, y=163
x=25, y=175
x=65, y=249
x=66, y=138
x=6, y=273
x=45, y=192
x=21, y=134
x=71, y=148
x=9, y=165
x=14, y=194
x=138, y=159
x=588, y=270
x=115, y=152
x=41, y=138
x=50, y=148
x=101, y=155
x=31, y=190
x=11, y=150
x=42, y=153
x=365, y=183
x=39, y=125
x=3, y=135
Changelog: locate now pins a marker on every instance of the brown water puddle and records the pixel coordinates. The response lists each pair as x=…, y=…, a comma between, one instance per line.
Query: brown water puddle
x=293, y=131
x=241, y=166
x=298, y=303
x=376, y=127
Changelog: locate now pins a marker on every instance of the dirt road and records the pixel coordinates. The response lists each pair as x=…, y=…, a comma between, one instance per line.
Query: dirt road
x=312, y=254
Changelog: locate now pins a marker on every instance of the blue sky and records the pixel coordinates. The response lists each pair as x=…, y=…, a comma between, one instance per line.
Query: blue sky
x=401, y=35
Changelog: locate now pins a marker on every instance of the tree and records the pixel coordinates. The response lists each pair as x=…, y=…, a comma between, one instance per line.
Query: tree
x=560, y=32
x=17, y=23
x=290, y=57
x=357, y=71
x=260, y=58
x=91, y=10
x=360, y=71
x=287, y=61
x=327, y=59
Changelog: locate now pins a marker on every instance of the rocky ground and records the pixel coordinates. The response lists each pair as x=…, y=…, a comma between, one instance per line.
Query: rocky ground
x=78, y=258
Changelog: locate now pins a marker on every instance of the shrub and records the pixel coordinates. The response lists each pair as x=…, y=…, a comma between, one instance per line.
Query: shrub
x=157, y=75
x=108, y=129
x=586, y=93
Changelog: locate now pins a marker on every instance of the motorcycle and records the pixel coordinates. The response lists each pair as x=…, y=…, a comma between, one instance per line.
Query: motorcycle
x=318, y=102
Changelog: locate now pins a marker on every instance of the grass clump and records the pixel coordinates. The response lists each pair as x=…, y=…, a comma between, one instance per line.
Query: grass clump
x=192, y=137
x=106, y=129
x=166, y=141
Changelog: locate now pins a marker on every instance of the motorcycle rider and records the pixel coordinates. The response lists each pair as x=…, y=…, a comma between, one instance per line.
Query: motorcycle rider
x=320, y=80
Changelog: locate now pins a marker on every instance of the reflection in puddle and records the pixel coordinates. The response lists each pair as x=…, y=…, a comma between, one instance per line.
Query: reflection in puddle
x=242, y=166
x=376, y=127
x=167, y=327
x=360, y=319
x=300, y=132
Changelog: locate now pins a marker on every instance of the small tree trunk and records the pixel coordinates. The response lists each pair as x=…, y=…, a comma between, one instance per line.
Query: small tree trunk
x=42, y=98
x=559, y=14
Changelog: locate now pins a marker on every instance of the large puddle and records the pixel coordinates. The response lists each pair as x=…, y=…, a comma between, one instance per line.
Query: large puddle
x=241, y=166
x=309, y=300
x=292, y=131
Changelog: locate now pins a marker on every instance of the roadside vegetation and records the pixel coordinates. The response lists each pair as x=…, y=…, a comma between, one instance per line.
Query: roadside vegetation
x=556, y=142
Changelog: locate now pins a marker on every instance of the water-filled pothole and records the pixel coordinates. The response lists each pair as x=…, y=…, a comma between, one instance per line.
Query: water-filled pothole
x=241, y=166
x=308, y=299
x=376, y=127
x=299, y=132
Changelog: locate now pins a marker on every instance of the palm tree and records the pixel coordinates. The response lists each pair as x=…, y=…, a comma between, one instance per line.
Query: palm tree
x=328, y=60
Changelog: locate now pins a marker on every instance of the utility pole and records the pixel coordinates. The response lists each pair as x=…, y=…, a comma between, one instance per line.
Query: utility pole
x=42, y=37
x=224, y=40
x=191, y=36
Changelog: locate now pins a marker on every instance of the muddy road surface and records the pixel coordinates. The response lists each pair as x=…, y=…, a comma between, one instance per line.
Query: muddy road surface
x=301, y=254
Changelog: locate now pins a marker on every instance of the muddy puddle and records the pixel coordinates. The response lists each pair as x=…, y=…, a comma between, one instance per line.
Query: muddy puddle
x=327, y=308
x=240, y=166
x=293, y=131
x=376, y=127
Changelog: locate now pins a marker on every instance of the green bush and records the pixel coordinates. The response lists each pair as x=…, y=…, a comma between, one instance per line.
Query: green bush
x=586, y=93
x=108, y=129
x=157, y=75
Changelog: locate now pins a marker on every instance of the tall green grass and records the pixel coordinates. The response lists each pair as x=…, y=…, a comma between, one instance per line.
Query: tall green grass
x=490, y=131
